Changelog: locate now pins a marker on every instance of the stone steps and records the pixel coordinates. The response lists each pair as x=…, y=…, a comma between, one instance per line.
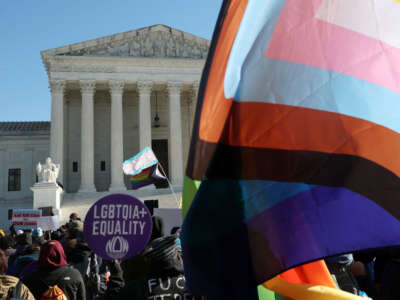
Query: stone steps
x=81, y=202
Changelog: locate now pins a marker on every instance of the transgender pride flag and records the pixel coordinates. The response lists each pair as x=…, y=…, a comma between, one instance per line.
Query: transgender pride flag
x=143, y=169
x=295, y=154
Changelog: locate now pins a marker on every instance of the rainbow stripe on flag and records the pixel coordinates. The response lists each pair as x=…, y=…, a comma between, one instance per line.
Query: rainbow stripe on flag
x=143, y=169
x=146, y=177
x=294, y=153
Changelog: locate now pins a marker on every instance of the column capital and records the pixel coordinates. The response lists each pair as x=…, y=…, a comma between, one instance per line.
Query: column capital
x=174, y=87
x=57, y=86
x=116, y=86
x=145, y=87
x=87, y=86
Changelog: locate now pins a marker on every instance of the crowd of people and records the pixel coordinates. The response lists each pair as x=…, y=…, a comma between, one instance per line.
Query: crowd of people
x=375, y=273
x=60, y=265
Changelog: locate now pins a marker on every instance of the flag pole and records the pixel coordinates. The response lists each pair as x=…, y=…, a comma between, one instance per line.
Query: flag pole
x=169, y=184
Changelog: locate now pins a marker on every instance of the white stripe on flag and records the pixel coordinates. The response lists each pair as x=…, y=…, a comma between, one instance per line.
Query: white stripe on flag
x=139, y=162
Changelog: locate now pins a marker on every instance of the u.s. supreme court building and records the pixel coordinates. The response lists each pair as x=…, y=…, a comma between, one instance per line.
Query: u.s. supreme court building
x=111, y=97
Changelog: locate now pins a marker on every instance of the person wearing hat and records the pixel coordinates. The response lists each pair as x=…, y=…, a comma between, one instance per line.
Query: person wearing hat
x=76, y=249
x=74, y=216
x=37, y=241
x=54, y=270
x=30, y=255
x=24, y=241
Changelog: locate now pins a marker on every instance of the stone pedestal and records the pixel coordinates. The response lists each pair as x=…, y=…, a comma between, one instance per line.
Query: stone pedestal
x=47, y=194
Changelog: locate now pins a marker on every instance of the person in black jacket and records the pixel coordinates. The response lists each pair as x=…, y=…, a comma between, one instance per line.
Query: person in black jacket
x=54, y=270
x=164, y=278
x=77, y=251
x=135, y=267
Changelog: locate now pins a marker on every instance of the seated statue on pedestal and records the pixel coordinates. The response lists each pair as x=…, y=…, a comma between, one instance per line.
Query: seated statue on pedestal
x=48, y=172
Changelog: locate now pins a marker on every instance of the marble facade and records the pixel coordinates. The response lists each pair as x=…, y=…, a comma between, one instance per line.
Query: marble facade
x=103, y=103
x=22, y=146
x=104, y=96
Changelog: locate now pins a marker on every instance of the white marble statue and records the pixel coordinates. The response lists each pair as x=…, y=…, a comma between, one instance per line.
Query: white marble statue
x=47, y=172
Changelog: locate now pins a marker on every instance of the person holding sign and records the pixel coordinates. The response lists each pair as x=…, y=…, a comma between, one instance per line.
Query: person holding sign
x=117, y=226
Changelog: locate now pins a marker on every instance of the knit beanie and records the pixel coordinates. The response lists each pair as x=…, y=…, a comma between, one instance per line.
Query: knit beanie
x=37, y=232
x=24, y=239
x=162, y=255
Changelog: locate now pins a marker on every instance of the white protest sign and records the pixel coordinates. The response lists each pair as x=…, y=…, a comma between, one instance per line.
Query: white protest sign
x=49, y=223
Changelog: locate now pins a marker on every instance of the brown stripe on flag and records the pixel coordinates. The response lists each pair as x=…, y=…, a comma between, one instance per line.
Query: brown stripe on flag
x=337, y=170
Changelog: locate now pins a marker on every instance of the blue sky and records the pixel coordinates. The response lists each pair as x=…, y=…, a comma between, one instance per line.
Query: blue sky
x=30, y=26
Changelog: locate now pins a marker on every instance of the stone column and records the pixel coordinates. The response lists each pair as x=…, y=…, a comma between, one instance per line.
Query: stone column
x=57, y=88
x=87, y=136
x=195, y=94
x=175, y=134
x=144, y=88
x=117, y=136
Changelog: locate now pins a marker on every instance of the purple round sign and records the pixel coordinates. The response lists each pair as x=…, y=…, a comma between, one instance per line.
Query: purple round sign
x=118, y=226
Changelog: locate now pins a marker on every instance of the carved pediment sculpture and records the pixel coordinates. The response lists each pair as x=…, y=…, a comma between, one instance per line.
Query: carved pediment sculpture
x=153, y=41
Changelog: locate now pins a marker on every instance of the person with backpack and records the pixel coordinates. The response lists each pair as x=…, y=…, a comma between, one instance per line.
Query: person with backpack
x=54, y=276
x=10, y=286
x=82, y=258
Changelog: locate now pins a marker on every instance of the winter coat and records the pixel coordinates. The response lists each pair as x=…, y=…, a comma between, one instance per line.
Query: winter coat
x=21, y=250
x=32, y=267
x=65, y=277
x=164, y=278
x=113, y=285
x=7, y=281
x=78, y=257
x=21, y=262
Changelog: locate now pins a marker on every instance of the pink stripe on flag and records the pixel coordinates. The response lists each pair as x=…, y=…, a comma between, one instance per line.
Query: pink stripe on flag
x=300, y=37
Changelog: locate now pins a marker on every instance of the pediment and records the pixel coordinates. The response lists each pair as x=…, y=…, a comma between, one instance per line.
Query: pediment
x=154, y=41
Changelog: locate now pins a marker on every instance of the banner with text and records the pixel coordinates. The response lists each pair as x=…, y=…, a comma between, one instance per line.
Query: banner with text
x=118, y=226
x=25, y=219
